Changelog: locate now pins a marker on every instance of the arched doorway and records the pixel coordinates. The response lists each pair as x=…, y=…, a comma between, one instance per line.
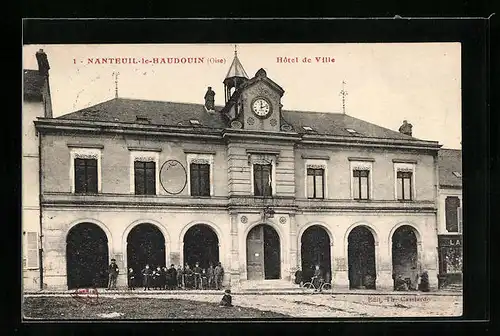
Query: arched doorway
x=145, y=245
x=405, y=255
x=87, y=256
x=263, y=253
x=315, y=250
x=361, y=258
x=201, y=245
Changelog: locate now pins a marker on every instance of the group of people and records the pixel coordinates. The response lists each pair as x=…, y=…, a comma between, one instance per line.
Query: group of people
x=163, y=278
x=407, y=284
x=317, y=277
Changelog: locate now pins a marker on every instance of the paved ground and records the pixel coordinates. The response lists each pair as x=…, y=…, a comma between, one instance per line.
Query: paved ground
x=69, y=308
x=327, y=305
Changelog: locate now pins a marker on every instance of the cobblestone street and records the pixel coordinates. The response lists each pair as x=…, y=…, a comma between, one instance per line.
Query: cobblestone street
x=323, y=305
x=326, y=305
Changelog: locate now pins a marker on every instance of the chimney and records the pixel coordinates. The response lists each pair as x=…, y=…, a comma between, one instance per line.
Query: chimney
x=43, y=63
x=210, y=99
x=406, y=128
x=43, y=70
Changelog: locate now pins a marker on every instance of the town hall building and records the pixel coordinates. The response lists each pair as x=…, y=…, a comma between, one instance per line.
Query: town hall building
x=261, y=189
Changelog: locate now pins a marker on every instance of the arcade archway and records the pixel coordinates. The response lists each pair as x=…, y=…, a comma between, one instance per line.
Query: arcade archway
x=86, y=256
x=315, y=250
x=201, y=245
x=361, y=258
x=405, y=255
x=263, y=253
x=145, y=245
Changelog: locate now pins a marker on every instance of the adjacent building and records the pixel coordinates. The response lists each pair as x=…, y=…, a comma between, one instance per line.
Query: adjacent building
x=247, y=183
x=450, y=224
x=36, y=103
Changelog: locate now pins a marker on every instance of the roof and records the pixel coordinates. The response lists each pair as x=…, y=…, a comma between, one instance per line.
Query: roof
x=236, y=69
x=173, y=114
x=339, y=124
x=33, y=84
x=449, y=163
x=157, y=112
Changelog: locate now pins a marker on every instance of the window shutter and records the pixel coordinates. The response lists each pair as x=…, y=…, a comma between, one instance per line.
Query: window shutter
x=460, y=218
x=32, y=250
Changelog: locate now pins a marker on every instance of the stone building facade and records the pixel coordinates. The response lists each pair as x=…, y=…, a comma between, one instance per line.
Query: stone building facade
x=262, y=190
x=36, y=103
x=450, y=223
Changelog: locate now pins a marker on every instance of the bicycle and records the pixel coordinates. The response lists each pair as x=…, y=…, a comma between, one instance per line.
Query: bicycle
x=323, y=286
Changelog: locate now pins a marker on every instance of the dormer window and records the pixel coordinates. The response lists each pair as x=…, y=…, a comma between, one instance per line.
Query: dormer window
x=194, y=122
x=352, y=131
x=142, y=119
x=457, y=174
x=307, y=128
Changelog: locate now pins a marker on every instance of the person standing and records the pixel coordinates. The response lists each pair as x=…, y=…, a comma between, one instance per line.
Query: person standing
x=219, y=275
x=157, y=278
x=171, y=276
x=131, y=278
x=164, y=274
x=113, y=274
x=180, y=278
x=147, y=273
x=188, y=277
x=197, y=276
x=298, y=277
x=210, y=276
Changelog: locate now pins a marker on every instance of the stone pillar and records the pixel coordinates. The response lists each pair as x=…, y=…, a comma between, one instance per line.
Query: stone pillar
x=121, y=281
x=340, y=274
x=293, y=247
x=429, y=263
x=384, y=269
x=234, y=272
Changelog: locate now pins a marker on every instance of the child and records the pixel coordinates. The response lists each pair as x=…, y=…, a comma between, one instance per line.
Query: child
x=131, y=279
x=204, y=279
x=211, y=277
x=180, y=277
x=146, y=272
x=226, y=299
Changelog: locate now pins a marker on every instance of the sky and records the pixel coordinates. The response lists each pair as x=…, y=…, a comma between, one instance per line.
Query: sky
x=386, y=83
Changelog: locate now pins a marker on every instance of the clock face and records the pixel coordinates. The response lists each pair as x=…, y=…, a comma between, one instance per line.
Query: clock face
x=261, y=107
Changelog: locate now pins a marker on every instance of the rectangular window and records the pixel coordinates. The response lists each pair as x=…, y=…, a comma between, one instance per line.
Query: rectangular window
x=452, y=205
x=315, y=183
x=85, y=176
x=145, y=178
x=404, y=185
x=262, y=180
x=31, y=250
x=361, y=185
x=200, y=179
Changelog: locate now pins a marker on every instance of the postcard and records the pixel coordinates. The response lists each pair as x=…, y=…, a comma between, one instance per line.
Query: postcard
x=241, y=181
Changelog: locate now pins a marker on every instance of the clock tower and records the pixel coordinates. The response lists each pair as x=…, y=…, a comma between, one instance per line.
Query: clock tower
x=253, y=104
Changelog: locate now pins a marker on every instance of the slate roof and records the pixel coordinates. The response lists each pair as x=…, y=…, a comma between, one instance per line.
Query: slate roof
x=33, y=83
x=449, y=161
x=236, y=69
x=174, y=114
x=338, y=124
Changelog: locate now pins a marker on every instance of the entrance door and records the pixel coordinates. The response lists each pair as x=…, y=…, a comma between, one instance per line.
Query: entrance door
x=255, y=253
x=263, y=253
